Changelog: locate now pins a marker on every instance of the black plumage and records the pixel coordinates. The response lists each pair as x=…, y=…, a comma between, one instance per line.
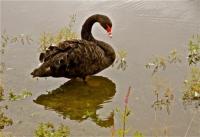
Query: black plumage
x=78, y=58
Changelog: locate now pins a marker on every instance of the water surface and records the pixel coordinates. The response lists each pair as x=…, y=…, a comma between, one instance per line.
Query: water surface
x=142, y=28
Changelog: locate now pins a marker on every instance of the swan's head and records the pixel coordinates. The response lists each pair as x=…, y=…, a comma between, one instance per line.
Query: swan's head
x=106, y=23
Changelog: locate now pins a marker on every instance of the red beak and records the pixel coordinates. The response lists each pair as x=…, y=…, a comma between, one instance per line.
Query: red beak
x=109, y=31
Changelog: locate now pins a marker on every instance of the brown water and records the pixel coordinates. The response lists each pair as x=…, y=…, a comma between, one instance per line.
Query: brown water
x=142, y=28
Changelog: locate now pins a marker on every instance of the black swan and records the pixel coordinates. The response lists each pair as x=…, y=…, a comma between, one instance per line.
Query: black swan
x=78, y=58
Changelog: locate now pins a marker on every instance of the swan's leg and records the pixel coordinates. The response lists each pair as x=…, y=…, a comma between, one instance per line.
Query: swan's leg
x=79, y=79
x=86, y=78
x=82, y=79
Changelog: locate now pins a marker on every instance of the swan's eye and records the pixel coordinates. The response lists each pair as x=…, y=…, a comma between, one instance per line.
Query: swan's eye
x=109, y=30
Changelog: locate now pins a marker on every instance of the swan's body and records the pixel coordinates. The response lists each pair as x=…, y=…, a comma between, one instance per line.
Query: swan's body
x=78, y=58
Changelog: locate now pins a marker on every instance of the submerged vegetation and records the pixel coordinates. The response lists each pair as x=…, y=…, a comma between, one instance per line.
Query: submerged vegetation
x=4, y=120
x=24, y=94
x=120, y=61
x=194, y=50
x=2, y=67
x=192, y=86
x=1, y=92
x=7, y=39
x=159, y=62
x=164, y=95
x=49, y=130
x=191, y=91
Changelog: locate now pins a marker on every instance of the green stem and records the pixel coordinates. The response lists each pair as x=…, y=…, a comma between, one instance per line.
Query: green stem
x=124, y=121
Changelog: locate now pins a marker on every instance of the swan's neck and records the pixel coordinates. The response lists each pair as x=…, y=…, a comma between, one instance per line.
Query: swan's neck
x=86, y=33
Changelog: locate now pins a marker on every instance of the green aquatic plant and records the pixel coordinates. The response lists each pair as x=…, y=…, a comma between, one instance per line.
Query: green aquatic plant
x=164, y=95
x=49, y=130
x=8, y=39
x=174, y=57
x=123, y=115
x=46, y=39
x=22, y=38
x=138, y=134
x=192, y=86
x=4, y=41
x=65, y=33
x=2, y=67
x=158, y=63
x=120, y=61
x=194, y=50
x=123, y=118
x=3, y=134
x=4, y=120
x=24, y=94
x=1, y=92
x=164, y=101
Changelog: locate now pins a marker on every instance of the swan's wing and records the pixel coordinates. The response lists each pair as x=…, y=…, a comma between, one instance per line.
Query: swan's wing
x=53, y=50
x=70, y=58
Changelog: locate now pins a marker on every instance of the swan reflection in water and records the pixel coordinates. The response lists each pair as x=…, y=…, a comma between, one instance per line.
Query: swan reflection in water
x=79, y=101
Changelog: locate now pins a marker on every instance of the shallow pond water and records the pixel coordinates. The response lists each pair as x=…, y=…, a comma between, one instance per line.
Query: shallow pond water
x=142, y=28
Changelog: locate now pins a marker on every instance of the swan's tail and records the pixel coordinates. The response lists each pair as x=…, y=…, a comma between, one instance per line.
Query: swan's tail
x=36, y=73
x=41, y=72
